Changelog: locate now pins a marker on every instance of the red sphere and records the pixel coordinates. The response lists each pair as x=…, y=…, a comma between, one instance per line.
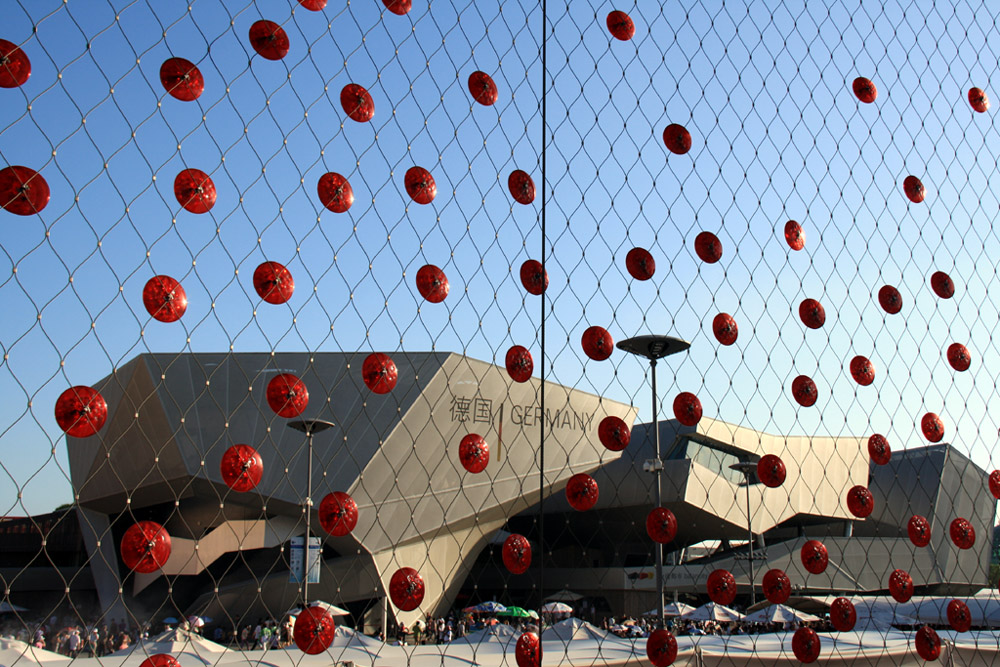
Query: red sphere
x=794, y=236
x=879, y=450
x=357, y=103
x=195, y=191
x=81, y=411
x=677, y=139
x=182, y=79
x=928, y=643
x=661, y=525
x=519, y=363
x=900, y=585
x=771, y=471
x=164, y=298
x=843, y=615
x=145, y=547
x=160, y=660
x=865, y=90
x=708, y=247
x=932, y=426
x=335, y=193
x=890, y=299
x=273, y=282
x=379, y=373
x=621, y=25
x=338, y=513
x=521, y=187
x=313, y=5
x=269, y=40
x=959, y=357
x=814, y=556
x=995, y=484
x=687, y=408
x=914, y=189
x=23, y=191
x=862, y=370
x=420, y=185
x=614, y=433
x=661, y=648
x=919, y=530
x=287, y=395
x=640, y=264
x=534, y=277
x=860, y=501
x=398, y=7
x=528, y=650
x=804, y=391
x=725, y=329
x=959, y=616
x=242, y=468
x=812, y=313
x=582, y=492
x=942, y=284
x=483, y=89
x=962, y=533
x=474, y=453
x=314, y=630
x=516, y=554
x=777, y=586
x=597, y=343
x=406, y=589
x=15, y=67
x=721, y=586
x=432, y=283
x=805, y=645
x=978, y=99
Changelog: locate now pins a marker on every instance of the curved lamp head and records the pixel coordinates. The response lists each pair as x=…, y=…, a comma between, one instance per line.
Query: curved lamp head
x=653, y=347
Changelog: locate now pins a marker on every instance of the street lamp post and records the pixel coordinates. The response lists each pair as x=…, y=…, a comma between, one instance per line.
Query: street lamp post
x=748, y=468
x=309, y=427
x=654, y=348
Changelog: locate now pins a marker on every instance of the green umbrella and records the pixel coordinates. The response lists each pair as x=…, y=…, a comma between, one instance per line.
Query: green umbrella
x=515, y=612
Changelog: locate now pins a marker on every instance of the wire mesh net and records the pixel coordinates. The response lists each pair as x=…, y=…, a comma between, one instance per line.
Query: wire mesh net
x=498, y=332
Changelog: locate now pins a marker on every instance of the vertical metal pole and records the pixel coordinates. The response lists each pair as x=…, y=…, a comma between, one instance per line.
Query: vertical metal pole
x=753, y=594
x=542, y=368
x=309, y=503
x=659, y=498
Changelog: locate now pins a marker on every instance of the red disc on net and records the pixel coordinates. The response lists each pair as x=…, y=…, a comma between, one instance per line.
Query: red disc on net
x=812, y=313
x=959, y=616
x=640, y=264
x=919, y=530
x=406, y=588
x=164, y=298
x=928, y=643
x=357, y=102
x=313, y=5
x=15, y=67
x=338, y=513
x=804, y=391
x=677, y=139
x=725, y=329
x=805, y=645
x=959, y=357
x=269, y=40
x=182, y=79
x=23, y=191
x=794, y=236
x=621, y=25
x=432, y=283
x=81, y=411
x=516, y=554
x=521, y=187
x=687, y=408
x=195, y=191
x=661, y=525
x=597, y=343
x=777, y=586
x=483, y=89
x=995, y=484
x=977, y=98
x=519, y=363
x=843, y=615
x=862, y=370
x=314, y=630
x=273, y=282
x=474, y=453
x=398, y=7
x=914, y=189
x=708, y=247
x=860, y=501
x=942, y=284
x=962, y=533
x=721, y=587
x=335, y=193
x=582, y=492
x=420, y=185
x=534, y=278
x=865, y=90
x=160, y=660
x=932, y=426
x=771, y=471
x=241, y=468
x=528, y=650
x=890, y=299
x=814, y=556
x=614, y=433
x=900, y=585
x=145, y=547
x=287, y=395
x=379, y=373
x=879, y=450
x=661, y=648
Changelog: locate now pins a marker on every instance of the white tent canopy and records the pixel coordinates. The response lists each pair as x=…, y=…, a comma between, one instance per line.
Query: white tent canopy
x=779, y=613
x=713, y=612
x=672, y=609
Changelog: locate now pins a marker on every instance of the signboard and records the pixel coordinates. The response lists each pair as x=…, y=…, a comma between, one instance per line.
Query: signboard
x=296, y=562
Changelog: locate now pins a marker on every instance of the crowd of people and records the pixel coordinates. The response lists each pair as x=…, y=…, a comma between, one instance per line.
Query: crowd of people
x=73, y=639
